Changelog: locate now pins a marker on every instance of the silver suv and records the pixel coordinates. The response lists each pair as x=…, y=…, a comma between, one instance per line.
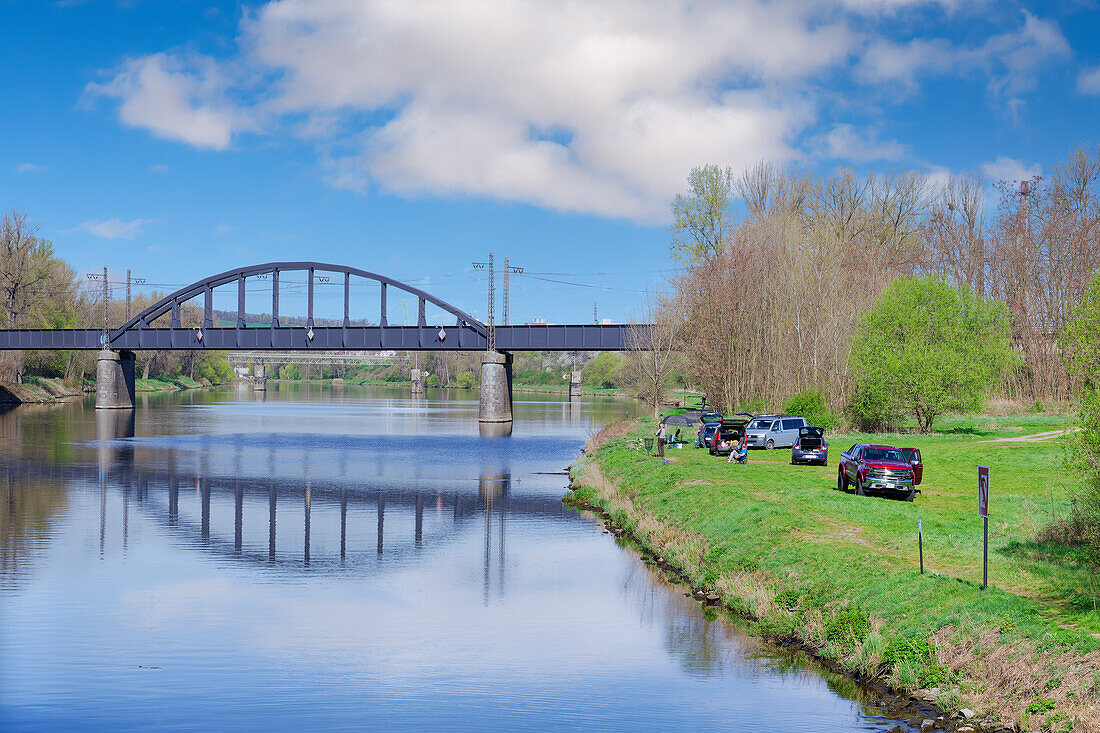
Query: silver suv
x=774, y=431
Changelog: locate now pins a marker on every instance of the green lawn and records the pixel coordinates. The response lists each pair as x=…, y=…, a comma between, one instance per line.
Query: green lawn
x=804, y=555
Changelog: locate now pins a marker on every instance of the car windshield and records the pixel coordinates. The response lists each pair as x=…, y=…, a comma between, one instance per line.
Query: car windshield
x=883, y=454
x=760, y=425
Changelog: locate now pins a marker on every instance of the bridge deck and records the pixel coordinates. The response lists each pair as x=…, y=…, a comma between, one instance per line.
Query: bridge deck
x=616, y=337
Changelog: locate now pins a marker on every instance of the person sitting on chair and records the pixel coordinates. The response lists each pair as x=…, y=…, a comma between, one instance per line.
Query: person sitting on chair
x=741, y=452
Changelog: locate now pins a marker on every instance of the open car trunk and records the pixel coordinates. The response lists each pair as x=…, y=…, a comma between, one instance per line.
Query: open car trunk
x=810, y=438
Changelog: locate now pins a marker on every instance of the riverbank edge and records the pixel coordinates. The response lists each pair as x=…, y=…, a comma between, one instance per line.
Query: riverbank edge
x=50, y=391
x=679, y=551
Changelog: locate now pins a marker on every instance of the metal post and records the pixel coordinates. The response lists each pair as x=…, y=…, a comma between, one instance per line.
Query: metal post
x=127, y=294
x=985, y=552
x=492, y=341
x=275, y=298
x=106, y=300
x=920, y=546
x=347, y=299
x=240, y=302
x=309, y=301
x=504, y=320
x=382, y=319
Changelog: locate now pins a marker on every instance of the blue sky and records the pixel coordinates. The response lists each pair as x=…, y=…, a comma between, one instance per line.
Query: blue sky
x=180, y=138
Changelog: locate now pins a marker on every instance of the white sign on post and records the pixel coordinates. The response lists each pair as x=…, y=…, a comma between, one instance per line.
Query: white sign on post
x=983, y=491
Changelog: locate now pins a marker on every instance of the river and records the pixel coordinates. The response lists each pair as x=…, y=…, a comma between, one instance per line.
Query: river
x=351, y=558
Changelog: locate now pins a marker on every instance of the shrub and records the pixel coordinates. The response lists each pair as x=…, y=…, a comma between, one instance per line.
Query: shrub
x=433, y=380
x=848, y=626
x=466, y=380
x=811, y=405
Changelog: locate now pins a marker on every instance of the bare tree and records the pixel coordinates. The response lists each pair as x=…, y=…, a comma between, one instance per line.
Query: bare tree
x=653, y=346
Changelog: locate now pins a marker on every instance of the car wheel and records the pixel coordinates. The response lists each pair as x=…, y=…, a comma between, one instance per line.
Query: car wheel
x=771, y=444
x=841, y=481
x=859, y=487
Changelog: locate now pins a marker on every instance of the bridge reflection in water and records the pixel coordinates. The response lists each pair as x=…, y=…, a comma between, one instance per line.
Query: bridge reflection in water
x=189, y=495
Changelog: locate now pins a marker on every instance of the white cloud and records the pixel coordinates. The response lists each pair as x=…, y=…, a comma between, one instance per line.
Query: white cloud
x=114, y=228
x=158, y=169
x=29, y=168
x=1088, y=81
x=844, y=142
x=224, y=228
x=576, y=106
x=1010, y=169
x=176, y=98
x=1011, y=61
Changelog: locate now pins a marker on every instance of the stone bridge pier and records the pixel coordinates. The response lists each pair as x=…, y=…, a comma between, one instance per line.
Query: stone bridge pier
x=496, y=388
x=114, y=380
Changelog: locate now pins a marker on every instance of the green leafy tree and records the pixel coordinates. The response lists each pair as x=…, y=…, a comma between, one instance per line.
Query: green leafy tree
x=466, y=380
x=703, y=219
x=1080, y=341
x=811, y=405
x=215, y=368
x=927, y=348
x=605, y=370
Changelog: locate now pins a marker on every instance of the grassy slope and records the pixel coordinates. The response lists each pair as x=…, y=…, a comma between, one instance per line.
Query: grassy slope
x=165, y=384
x=802, y=545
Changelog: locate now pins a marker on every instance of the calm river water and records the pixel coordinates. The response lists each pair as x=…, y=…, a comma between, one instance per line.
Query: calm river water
x=337, y=558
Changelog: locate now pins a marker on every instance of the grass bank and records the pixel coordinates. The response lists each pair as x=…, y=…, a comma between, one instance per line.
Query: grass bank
x=37, y=390
x=839, y=573
x=168, y=384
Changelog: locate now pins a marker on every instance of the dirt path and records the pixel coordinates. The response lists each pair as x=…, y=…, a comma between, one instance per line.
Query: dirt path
x=1033, y=438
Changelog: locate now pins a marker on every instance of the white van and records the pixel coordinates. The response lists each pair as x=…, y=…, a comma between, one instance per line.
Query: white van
x=774, y=431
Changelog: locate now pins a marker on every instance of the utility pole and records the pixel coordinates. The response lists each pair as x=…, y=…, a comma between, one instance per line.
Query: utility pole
x=1021, y=257
x=490, y=341
x=106, y=300
x=135, y=281
x=507, y=271
x=595, y=315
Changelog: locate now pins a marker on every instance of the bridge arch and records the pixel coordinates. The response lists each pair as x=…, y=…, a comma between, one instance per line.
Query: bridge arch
x=205, y=287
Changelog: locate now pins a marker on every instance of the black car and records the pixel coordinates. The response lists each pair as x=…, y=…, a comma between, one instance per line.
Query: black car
x=706, y=435
x=810, y=447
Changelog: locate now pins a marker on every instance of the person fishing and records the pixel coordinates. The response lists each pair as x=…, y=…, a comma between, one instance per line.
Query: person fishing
x=660, y=440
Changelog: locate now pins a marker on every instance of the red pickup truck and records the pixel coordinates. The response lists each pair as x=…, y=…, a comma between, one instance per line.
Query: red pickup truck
x=881, y=468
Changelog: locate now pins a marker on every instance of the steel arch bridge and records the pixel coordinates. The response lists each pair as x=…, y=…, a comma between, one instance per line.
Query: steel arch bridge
x=464, y=332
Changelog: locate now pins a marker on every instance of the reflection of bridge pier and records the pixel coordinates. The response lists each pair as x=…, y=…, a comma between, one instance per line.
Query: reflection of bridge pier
x=111, y=427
